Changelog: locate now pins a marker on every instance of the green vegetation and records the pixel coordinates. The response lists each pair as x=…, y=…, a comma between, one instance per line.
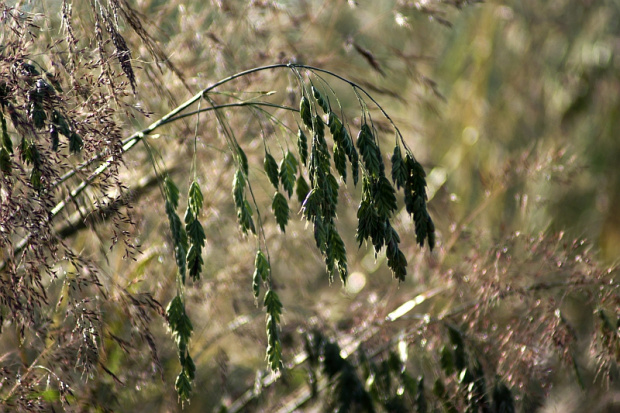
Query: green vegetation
x=309, y=206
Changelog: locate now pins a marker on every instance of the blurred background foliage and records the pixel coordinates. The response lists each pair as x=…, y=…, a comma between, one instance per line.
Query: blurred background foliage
x=513, y=107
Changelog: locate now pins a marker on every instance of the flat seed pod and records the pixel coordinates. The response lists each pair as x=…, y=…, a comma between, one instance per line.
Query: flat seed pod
x=271, y=168
x=301, y=188
x=280, y=210
x=302, y=146
x=320, y=99
x=304, y=111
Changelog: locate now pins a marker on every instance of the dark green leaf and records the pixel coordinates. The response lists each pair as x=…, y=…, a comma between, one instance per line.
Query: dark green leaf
x=61, y=123
x=281, y=210
x=318, y=127
x=369, y=151
x=6, y=139
x=238, y=188
x=171, y=192
x=194, y=229
x=347, y=143
x=35, y=178
x=479, y=391
x=333, y=363
x=310, y=206
x=396, y=261
x=421, y=403
x=179, y=236
x=38, y=115
x=194, y=262
x=54, y=137
x=75, y=143
x=271, y=168
x=274, y=346
x=415, y=202
x=446, y=359
x=366, y=217
x=399, y=170
x=302, y=146
x=439, y=389
x=502, y=399
x=410, y=384
x=430, y=231
x=340, y=162
x=456, y=338
x=196, y=236
x=273, y=304
x=335, y=128
x=243, y=160
x=331, y=190
x=244, y=214
x=384, y=197
x=189, y=367
x=319, y=161
x=320, y=236
x=458, y=346
x=3, y=95
x=256, y=284
x=183, y=386
x=339, y=253
x=195, y=198
x=30, y=152
x=288, y=172
x=178, y=321
x=304, y=111
x=5, y=161
x=301, y=188
x=262, y=265
x=320, y=100
x=261, y=272
x=355, y=168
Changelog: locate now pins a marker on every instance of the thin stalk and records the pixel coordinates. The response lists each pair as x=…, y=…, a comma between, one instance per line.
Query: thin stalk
x=232, y=105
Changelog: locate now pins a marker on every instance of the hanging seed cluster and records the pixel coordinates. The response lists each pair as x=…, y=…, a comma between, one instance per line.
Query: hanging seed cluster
x=188, y=241
x=181, y=327
x=179, y=236
x=244, y=210
x=408, y=174
x=319, y=205
x=195, y=232
x=273, y=308
x=319, y=200
x=378, y=204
